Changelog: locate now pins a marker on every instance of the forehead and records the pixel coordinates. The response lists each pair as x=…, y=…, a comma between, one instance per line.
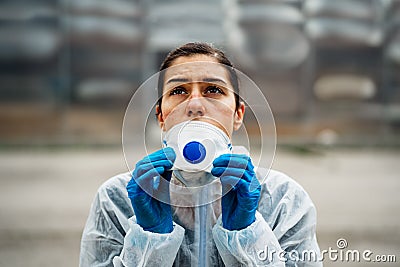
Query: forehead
x=195, y=69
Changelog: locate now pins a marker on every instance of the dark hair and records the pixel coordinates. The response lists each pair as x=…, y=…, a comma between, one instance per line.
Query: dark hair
x=191, y=49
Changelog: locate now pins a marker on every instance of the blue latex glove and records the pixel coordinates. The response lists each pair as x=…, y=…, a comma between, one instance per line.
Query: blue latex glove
x=240, y=189
x=151, y=178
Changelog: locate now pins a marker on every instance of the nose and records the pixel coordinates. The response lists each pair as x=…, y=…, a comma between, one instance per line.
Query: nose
x=195, y=107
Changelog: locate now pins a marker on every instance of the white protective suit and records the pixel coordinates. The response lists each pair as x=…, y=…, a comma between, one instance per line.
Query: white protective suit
x=285, y=220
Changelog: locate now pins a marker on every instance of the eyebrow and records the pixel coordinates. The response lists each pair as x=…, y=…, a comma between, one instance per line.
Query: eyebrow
x=184, y=80
x=213, y=80
x=177, y=80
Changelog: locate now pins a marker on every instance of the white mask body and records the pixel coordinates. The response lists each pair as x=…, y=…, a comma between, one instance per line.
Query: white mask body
x=196, y=145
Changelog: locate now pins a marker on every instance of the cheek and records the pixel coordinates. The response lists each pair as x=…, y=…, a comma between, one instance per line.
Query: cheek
x=224, y=114
x=225, y=109
x=171, y=109
x=171, y=116
x=166, y=108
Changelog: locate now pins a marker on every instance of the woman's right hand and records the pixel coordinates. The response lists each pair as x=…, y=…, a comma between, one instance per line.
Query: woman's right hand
x=151, y=177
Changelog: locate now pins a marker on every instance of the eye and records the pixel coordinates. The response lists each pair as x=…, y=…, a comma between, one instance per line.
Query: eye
x=178, y=91
x=214, y=90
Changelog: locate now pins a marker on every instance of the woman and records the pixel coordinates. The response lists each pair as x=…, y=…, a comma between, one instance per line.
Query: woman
x=255, y=224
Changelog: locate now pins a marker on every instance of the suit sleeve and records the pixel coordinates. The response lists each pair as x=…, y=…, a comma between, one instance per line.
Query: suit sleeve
x=112, y=238
x=282, y=235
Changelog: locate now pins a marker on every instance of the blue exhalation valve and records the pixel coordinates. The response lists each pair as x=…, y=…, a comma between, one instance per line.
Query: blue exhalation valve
x=194, y=152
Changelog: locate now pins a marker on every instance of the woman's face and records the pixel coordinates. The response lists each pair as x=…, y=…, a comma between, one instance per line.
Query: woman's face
x=201, y=91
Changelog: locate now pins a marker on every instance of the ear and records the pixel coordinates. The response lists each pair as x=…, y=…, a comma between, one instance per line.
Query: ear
x=160, y=118
x=239, y=114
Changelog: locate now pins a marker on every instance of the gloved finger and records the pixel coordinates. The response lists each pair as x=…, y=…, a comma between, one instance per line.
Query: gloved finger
x=146, y=181
x=254, y=184
x=228, y=190
x=145, y=167
x=139, y=199
x=133, y=188
x=237, y=172
x=233, y=155
x=136, y=194
x=234, y=160
x=161, y=189
x=229, y=200
x=167, y=157
x=236, y=183
x=166, y=153
x=225, y=160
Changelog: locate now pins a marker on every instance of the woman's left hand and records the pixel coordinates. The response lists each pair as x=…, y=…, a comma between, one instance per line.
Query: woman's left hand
x=240, y=189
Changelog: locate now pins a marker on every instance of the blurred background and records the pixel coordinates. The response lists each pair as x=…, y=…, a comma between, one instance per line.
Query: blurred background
x=329, y=69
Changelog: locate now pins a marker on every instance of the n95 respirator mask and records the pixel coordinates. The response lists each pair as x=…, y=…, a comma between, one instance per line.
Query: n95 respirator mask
x=196, y=145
